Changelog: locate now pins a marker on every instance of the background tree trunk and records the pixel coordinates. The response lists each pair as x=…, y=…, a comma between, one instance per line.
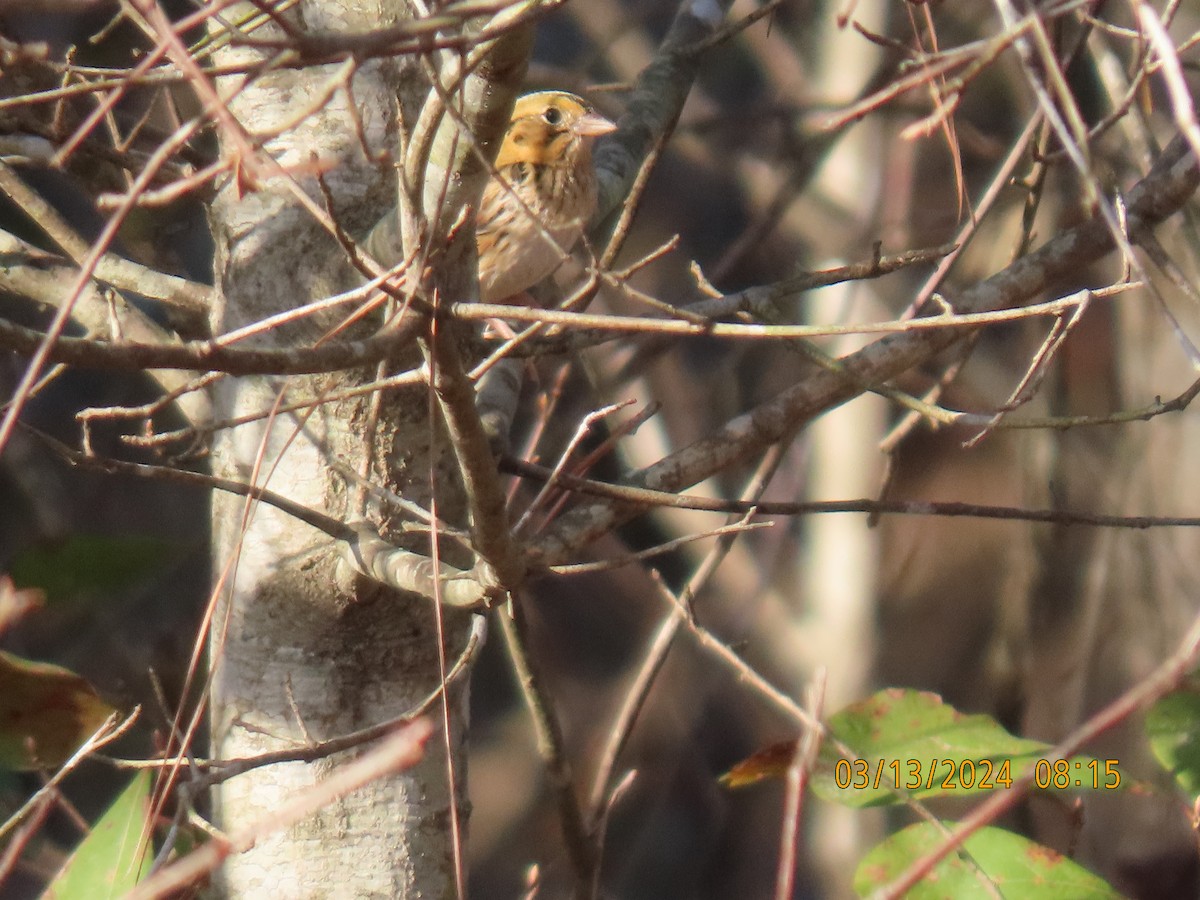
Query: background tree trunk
x=1109, y=606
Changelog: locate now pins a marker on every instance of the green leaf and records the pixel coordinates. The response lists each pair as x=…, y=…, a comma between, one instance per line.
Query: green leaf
x=901, y=744
x=1173, y=727
x=46, y=713
x=913, y=741
x=115, y=856
x=1016, y=866
x=89, y=564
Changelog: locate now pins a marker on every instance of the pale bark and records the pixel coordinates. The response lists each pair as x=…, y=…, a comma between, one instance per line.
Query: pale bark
x=296, y=654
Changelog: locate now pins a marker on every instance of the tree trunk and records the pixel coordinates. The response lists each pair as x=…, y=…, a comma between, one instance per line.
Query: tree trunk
x=298, y=654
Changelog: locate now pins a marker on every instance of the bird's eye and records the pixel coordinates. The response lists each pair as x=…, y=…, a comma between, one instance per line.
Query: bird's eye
x=552, y=116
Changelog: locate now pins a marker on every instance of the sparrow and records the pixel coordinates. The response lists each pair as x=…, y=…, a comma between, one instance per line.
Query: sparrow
x=537, y=204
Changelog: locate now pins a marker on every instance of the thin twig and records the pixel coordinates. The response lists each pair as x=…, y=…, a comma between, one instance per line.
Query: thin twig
x=188, y=297
x=646, y=498
x=402, y=751
x=797, y=780
x=1138, y=697
x=660, y=643
x=111, y=729
x=581, y=848
x=1169, y=185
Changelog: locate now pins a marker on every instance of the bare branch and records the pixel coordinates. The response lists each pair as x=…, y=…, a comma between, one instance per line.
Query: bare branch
x=1170, y=183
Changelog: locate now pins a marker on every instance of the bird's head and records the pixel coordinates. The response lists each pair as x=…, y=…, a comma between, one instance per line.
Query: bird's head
x=550, y=127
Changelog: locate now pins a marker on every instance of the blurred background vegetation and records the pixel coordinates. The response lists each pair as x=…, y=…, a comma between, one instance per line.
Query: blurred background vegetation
x=1038, y=625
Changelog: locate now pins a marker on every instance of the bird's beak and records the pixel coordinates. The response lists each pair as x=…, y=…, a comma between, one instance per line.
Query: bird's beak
x=593, y=124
